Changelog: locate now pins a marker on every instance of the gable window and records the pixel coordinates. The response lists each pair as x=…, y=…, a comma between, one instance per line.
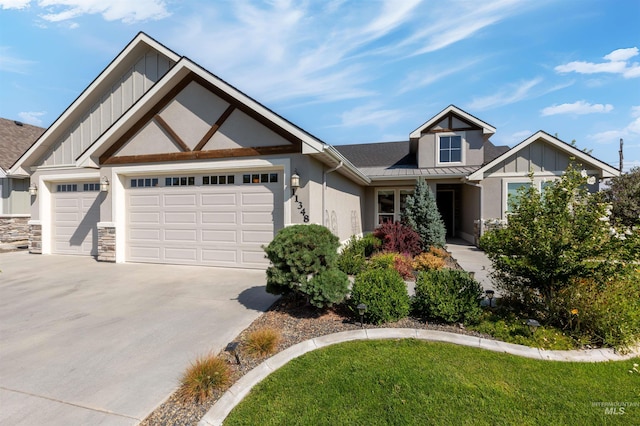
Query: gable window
x=390, y=204
x=450, y=149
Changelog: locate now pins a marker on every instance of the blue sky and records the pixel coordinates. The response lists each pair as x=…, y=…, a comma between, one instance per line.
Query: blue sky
x=357, y=71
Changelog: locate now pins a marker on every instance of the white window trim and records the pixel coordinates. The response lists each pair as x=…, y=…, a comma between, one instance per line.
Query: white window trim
x=397, y=214
x=463, y=148
x=537, y=182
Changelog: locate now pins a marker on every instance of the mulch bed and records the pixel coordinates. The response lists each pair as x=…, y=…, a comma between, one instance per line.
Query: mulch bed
x=296, y=322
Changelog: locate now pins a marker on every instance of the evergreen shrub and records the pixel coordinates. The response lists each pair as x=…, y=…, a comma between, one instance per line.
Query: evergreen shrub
x=353, y=257
x=298, y=255
x=448, y=295
x=385, y=294
x=421, y=213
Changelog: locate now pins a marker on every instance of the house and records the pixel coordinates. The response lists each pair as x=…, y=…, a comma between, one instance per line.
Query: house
x=160, y=161
x=15, y=138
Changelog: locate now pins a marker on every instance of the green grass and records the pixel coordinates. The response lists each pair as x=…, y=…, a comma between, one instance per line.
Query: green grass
x=410, y=382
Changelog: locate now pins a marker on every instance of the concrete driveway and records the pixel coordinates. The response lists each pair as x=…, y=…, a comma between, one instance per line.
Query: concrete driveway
x=89, y=343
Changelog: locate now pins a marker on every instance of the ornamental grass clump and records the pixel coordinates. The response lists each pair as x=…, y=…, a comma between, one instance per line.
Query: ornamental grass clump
x=354, y=255
x=205, y=375
x=262, y=342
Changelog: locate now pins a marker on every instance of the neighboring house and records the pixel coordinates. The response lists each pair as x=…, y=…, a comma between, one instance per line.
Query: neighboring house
x=15, y=138
x=160, y=161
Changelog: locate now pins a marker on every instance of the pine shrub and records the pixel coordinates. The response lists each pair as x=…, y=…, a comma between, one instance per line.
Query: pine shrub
x=448, y=295
x=421, y=213
x=298, y=255
x=385, y=294
x=398, y=237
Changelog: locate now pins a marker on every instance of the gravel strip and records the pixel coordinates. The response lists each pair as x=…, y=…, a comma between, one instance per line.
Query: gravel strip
x=296, y=322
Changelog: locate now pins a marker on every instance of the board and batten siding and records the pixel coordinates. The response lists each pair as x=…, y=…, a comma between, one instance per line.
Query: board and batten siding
x=536, y=157
x=114, y=102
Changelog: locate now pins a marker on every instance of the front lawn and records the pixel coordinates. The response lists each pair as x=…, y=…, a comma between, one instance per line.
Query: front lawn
x=411, y=382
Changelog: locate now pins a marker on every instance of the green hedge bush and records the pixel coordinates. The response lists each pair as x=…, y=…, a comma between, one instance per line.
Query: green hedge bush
x=448, y=295
x=299, y=254
x=385, y=294
x=353, y=258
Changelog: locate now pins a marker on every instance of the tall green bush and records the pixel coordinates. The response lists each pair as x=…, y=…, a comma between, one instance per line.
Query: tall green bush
x=554, y=237
x=385, y=294
x=421, y=213
x=304, y=261
x=448, y=295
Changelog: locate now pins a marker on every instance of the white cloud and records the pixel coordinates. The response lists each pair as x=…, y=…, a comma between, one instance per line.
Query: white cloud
x=111, y=10
x=14, y=4
x=426, y=78
x=371, y=115
x=579, y=107
x=632, y=130
x=32, y=117
x=9, y=63
x=508, y=95
x=617, y=63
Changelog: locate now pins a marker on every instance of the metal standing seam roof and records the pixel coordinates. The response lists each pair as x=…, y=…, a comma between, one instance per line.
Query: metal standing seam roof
x=15, y=139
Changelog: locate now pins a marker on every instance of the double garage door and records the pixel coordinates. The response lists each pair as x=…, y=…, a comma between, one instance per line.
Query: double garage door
x=216, y=220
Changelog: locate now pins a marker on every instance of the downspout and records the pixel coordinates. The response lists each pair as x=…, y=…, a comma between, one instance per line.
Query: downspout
x=324, y=190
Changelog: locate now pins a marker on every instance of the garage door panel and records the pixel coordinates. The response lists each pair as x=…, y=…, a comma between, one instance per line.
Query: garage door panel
x=182, y=200
x=219, y=236
x=145, y=234
x=216, y=225
x=213, y=256
x=262, y=237
x=144, y=218
x=144, y=200
x=219, y=200
x=181, y=235
x=143, y=253
x=180, y=255
x=219, y=218
x=75, y=217
x=189, y=218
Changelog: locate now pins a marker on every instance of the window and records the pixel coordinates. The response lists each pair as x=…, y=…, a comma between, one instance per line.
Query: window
x=260, y=178
x=391, y=204
x=144, y=182
x=180, y=181
x=450, y=149
x=512, y=193
x=68, y=187
x=91, y=187
x=219, y=180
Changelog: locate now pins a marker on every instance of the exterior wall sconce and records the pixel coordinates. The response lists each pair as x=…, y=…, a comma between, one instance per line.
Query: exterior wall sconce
x=33, y=189
x=104, y=184
x=295, y=181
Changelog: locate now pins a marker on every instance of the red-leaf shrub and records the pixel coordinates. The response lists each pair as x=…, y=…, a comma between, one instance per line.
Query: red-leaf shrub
x=399, y=238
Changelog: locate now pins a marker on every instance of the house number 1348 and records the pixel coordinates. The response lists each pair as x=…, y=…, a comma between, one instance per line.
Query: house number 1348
x=303, y=212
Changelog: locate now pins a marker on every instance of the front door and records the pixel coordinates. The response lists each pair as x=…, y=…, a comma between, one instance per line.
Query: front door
x=445, y=199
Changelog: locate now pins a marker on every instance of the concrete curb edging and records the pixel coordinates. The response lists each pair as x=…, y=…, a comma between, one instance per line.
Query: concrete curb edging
x=236, y=393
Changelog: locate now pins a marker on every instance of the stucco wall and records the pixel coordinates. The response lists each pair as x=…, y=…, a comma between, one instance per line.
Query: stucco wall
x=344, y=205
x=472, y=144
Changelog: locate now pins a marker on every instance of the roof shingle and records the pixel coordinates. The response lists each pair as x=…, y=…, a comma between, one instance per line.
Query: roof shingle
x=15, y=139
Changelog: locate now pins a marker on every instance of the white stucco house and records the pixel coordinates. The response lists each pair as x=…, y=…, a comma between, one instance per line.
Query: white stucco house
x=160, y=161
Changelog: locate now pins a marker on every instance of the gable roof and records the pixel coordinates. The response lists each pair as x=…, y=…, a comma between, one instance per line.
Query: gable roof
x=15, y=138
x=139, y=43
x=487, y=129
x=606, y=171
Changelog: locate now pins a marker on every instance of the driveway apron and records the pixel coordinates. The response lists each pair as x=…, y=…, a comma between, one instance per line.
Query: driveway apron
x=85, y=342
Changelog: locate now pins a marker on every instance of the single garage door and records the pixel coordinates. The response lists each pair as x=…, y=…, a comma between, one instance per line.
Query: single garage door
x=76, y=212
x=214, y=219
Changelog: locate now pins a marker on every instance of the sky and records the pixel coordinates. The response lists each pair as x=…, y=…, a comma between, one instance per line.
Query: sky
x=357, y=71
